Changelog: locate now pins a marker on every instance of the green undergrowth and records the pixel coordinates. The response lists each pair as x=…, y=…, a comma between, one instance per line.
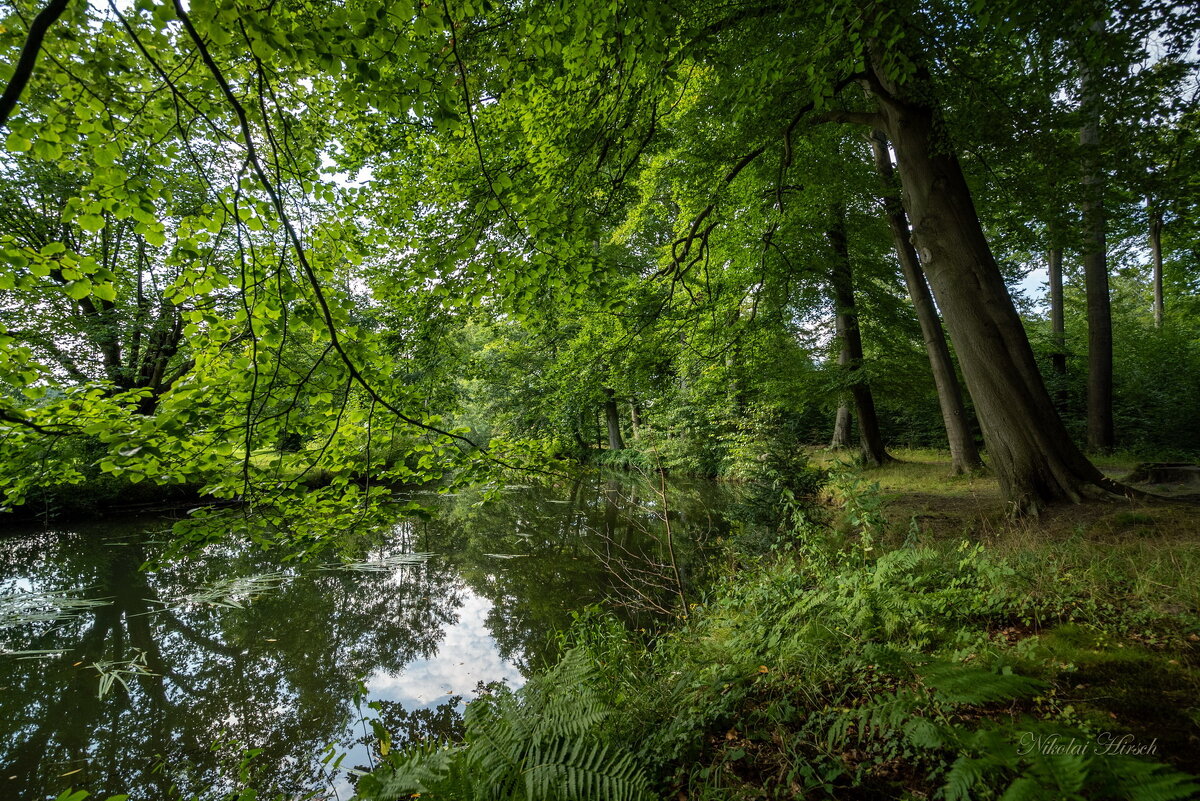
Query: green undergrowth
x=835, y=666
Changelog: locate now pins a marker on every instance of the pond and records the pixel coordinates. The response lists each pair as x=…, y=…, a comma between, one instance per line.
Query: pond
x=124, y=671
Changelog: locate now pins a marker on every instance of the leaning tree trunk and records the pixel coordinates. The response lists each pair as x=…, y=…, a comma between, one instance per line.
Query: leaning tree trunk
x=1029, y=449
x=964, y=456
x=615, y=441
x=842, y=281
x=1095, y=268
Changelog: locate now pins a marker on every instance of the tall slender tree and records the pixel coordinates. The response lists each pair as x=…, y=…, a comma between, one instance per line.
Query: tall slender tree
x=841, y=281
x=1095, y=249
x=964, y=456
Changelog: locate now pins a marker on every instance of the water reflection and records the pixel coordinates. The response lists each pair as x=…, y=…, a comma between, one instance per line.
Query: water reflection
x=237, y=648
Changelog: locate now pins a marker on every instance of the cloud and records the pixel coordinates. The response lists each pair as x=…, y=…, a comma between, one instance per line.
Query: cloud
x=466, y=656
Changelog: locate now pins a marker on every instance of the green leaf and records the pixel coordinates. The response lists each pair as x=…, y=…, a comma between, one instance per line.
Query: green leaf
x=79, y=289
x=17, y=144
x=91, y=222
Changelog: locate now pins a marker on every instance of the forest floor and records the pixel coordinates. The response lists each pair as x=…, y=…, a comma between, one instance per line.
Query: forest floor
x=920, y=493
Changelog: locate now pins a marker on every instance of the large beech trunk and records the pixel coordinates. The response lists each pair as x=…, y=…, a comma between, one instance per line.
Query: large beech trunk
x=615, y=441
x=964, y=456
x=1030, y=451
x=841, y=424
x=842, y=282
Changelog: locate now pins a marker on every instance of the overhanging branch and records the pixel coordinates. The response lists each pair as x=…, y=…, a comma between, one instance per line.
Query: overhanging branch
x=29, y=56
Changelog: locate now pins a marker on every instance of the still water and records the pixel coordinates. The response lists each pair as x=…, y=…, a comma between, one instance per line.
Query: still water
x=122, y=671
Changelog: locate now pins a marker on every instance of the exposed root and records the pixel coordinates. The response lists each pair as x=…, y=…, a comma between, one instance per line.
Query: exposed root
x=1109, y=490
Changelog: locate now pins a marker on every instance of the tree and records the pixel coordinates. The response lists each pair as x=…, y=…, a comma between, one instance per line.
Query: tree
x=964, y=456
x=526, y=156
x=850, y=357
x=1095, y=263
x=1029, y=448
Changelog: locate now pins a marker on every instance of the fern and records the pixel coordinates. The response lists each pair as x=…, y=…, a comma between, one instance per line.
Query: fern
x=958, y=685
x=1023, y=788
x=925, y=722
x=964, y=775
x=540, y=742
x=421, y=768
x=1145, y=781
x=988, y=759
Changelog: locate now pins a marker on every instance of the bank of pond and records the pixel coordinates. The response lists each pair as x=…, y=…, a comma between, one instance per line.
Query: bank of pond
x=599, y=637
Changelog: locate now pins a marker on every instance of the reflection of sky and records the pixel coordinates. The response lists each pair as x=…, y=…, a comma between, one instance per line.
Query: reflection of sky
x=466, y=656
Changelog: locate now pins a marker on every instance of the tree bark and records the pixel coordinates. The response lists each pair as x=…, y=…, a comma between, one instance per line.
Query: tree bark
x=579, y=441
x=635, y=419
x=1156, y=225
x=841, y=424
x=1095, y=268
x=1029, y=449
x=615, y=441
x=1058, y=328
x=964, y=456
x=842, y=281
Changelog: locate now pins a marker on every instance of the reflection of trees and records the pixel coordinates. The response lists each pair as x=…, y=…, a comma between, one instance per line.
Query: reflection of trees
x=274, y=666
x=594, y=541
x=276, y=673
x=438, y=723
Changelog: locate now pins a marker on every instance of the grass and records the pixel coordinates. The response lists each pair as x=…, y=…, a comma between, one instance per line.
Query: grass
x=1140, y=556
x=919, y=491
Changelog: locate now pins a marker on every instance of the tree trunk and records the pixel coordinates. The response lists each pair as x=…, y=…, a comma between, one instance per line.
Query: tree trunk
x=1058, y=327
x=842, y=281
x=581, y=444
x=1029, y=449
x=1156, y=224
x=964, y=456
x=615, y=441
x=841, y=424
x=635, y=419
x=1095, y=268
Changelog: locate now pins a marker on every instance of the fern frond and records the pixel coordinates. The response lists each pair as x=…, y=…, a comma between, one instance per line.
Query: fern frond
x=956, y=684
x=1024, y=788
x=421, y=769
x=964, y=775
x=579, y=771
x=1146, y=781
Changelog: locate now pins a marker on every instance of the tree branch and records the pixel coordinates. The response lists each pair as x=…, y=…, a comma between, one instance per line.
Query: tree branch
x=854, y=117
x=29, y=56
x=8, y=416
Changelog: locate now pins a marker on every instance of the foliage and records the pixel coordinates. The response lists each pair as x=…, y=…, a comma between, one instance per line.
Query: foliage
x=536, y=743
x=280, y=261
x=780, y=487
